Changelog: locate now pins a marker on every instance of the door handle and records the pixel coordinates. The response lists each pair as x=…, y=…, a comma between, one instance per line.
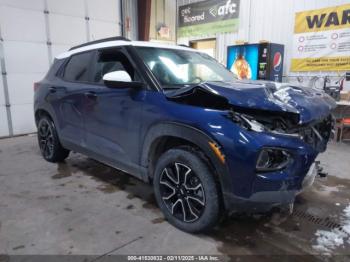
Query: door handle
x=52, y=89
x=91, y=94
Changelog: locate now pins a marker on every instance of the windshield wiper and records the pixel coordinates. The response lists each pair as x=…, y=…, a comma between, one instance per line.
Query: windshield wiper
x=171, y=87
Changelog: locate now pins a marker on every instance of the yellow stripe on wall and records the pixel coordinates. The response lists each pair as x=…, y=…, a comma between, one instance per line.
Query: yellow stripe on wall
x=321, y=64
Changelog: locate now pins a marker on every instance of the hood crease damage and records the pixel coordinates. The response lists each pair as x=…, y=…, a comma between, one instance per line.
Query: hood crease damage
x=269, y=106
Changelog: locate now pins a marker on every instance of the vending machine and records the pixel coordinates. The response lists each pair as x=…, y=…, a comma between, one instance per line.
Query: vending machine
x=263, y=61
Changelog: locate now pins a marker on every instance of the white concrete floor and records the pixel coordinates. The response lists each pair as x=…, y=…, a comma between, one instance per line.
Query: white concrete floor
x=336, y=160
x=84, y=207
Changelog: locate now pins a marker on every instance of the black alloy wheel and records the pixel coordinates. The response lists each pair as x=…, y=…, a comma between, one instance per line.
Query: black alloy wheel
x=49, y=144
x=186, y=190
x=182, y=192
x=46, y=139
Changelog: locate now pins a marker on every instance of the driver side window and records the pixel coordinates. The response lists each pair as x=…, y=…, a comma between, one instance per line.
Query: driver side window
x=112, y=60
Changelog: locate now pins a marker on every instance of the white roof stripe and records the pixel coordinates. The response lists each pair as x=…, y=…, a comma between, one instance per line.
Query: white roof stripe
x=121, y=43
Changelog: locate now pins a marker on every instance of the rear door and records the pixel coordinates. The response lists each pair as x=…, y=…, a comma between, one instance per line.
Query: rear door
x=70, y=100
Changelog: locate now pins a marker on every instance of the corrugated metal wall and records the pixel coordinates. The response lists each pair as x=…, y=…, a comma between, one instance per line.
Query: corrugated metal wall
x=163, y=13
x=271, y=20
x=130, y=17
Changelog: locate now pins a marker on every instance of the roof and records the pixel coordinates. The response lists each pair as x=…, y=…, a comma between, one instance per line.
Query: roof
x=113, y=43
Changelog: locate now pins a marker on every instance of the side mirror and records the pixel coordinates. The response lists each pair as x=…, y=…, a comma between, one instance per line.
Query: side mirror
x=120, y=79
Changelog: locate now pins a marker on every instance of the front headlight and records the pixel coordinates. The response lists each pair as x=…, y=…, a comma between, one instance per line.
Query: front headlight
x=272, y=159
x=253, y=124
x=246, y=122
x=267, y=122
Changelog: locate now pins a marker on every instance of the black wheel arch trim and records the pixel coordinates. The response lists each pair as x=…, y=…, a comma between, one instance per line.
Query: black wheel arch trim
x=194, y=136
x=51, y=114
x=47, y=111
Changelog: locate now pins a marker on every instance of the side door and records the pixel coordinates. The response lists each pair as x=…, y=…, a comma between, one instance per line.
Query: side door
x=70, y=101
x=113, y=120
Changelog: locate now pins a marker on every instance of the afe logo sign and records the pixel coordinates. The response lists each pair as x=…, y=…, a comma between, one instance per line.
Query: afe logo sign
x=224, y=13
x=228, y=8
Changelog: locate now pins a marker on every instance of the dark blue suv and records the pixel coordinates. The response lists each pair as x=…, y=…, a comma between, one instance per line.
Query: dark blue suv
x=176, y=118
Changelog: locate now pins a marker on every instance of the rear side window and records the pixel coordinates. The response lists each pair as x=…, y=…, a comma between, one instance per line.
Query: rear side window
x=77, y=69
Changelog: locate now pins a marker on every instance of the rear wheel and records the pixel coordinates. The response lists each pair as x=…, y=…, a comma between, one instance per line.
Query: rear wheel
x=186, y=191
x=50, y=146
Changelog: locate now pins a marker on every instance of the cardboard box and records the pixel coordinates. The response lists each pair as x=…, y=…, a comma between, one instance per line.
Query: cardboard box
x=345, y=95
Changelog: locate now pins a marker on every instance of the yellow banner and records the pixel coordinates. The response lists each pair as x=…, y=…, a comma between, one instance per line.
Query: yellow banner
x=321, y=40
x=324, y=19
x=321, y=64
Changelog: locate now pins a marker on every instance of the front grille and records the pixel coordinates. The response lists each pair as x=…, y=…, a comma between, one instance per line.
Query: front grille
x=318, y=134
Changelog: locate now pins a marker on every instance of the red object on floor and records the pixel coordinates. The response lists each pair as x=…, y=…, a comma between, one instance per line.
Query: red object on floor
x=346, y=121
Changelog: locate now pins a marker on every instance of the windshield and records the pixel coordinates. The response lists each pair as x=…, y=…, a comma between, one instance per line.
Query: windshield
x=177, y=68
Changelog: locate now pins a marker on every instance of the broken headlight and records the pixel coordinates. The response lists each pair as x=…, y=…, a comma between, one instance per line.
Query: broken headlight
x=272, y=159
x=253, y=124
x=247, y=122
x=267, y=122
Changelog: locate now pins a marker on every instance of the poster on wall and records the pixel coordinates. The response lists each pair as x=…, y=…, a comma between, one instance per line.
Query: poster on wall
x=208, y=18
x=322, y=40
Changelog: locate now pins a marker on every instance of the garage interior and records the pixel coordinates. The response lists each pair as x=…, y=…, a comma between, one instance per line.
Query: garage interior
x=83, y=207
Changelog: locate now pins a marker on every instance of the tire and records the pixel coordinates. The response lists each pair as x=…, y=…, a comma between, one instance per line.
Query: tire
x=49, y=144
x=186, y=191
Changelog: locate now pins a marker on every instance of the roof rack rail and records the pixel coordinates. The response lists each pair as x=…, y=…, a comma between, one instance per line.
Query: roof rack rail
x=116, y=38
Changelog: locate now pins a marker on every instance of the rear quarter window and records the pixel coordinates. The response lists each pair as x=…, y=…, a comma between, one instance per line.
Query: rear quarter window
x=77, y=68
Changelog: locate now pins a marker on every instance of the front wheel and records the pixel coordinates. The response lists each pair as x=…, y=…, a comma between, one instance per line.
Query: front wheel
x=186, y=191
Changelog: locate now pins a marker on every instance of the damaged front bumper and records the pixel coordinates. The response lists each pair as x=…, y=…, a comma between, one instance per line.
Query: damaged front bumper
x=259, y=191
x=264, y=201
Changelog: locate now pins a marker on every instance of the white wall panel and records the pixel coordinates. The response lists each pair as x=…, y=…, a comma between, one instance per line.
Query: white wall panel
x=59, y=49
x=23, y=119
x=67, y=7
x=2, y=95
x=25, y=4
x=100, y=29
x=67, y=29
x=23, y=93
x=15, y=26
x=25, y=33
x=107, y=10
x=25, y=57
x=4, y=130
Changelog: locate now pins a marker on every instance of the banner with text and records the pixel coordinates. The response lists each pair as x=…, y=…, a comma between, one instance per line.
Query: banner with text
x=322, y=40
x=208, y=17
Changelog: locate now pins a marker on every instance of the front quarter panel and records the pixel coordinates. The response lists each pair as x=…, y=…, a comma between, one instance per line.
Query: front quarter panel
x=241, y=147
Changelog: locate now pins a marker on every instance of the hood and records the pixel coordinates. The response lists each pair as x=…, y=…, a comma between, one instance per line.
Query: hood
x=308, y=103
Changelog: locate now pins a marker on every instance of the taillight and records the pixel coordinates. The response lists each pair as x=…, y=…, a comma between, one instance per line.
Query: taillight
x=36, y=86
